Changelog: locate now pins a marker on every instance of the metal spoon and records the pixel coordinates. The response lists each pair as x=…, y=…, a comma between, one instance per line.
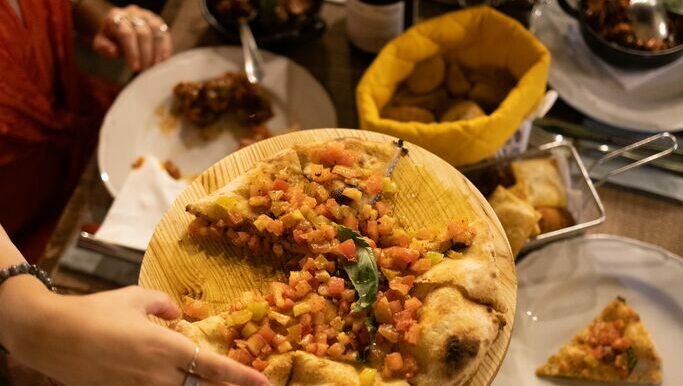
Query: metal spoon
x=253, y=62
x=648, y=18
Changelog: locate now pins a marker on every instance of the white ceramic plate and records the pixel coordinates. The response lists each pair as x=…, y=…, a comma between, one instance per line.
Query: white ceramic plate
x=564, y=286
x=585, y=85
x=133, y=125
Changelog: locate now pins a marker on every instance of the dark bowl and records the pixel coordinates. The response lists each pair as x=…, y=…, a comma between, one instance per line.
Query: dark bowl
x=615, y=53
x=265, y=33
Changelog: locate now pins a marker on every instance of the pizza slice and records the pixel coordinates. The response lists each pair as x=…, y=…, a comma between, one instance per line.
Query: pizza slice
x=291, y=202
x=615, y=347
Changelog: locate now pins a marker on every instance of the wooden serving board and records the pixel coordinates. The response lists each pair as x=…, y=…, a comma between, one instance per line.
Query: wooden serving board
x=430, y=191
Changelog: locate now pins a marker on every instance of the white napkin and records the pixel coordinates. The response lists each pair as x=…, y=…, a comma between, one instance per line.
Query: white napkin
x=629, y=79
x=145, y=196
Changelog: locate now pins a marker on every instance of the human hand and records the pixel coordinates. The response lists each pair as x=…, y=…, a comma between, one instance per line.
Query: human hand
x=106, y=339
x=140, y=36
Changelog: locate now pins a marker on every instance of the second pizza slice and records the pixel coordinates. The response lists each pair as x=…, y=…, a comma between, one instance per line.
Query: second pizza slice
x=615, y=347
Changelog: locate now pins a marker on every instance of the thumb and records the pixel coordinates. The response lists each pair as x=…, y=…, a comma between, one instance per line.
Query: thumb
x=156, y=303
x=104, y=46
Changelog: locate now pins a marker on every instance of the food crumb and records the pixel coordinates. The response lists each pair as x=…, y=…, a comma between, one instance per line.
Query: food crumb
x=172, y=169
x=138, y=162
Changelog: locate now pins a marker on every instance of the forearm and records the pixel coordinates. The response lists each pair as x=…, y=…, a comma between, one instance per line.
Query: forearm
x=89, y=16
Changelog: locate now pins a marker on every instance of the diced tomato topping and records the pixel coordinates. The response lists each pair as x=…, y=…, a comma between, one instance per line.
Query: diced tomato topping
x=410, y=366
x=382, y=310
x=280, y=184
x=302, y=289
x=404, y=320
x=196, y=309
x=351, y=222
x=336, y=351
x=401, y=257
x=373, y=185
x=382, y=208
x=334, y=154
x=348, y=250
x=411, y=336
x=460, y=233
x=335, y=286
x=241, y=355
x=421, y=266
x=275, y=227
x=394, y=361
x=259, y=364
x=321, y=349
x=306, y=324
x=412, y=304
x=389, y=332
x=395, y=306
x=402, y=284
x=266, y=332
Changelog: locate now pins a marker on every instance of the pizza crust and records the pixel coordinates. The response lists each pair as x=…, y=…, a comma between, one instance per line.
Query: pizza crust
x=455, y=336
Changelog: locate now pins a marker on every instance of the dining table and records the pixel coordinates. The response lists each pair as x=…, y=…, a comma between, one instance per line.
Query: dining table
x=338, y=66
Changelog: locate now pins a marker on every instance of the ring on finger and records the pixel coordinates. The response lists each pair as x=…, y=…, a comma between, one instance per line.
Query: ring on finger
x=119, y=18
x=192, y=366
x=191, y=380
x=161, y=31
x=137, y=21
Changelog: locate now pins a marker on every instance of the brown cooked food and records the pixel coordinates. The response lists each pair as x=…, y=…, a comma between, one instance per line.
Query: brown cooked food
x=609, y=18
x=202, y=103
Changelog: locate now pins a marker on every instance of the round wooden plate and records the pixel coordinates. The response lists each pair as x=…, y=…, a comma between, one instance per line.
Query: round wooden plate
x=430, y=192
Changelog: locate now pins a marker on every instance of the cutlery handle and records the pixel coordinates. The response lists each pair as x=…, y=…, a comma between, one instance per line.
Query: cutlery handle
x=253, y=62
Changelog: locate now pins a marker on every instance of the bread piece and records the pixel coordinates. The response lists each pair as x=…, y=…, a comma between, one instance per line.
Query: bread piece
x=435, y=100
x=543, y=181
x=456, y=81
x=461, y=111
x=518, y=217
x=427, y=75
x=408, y=114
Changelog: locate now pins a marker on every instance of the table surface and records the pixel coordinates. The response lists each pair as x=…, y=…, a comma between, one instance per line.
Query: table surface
x=337, y=66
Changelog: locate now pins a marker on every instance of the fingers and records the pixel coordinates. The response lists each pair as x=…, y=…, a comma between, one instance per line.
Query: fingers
x=163, y=46
x=155, y=303
x=145, y=41
x=105, y=47
x=217, y=368
x=119, y=28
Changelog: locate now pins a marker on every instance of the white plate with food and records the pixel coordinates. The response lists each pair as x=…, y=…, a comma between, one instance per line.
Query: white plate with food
x=564, y=286
x=585, y=83
x=145, y=119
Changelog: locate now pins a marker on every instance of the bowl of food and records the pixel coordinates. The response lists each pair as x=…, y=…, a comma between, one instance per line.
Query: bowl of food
x=610, y=33
x=274, y=21
x=454, y=85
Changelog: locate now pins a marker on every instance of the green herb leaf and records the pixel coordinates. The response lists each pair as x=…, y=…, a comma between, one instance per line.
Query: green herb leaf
x=363, y=273
x=631, y=359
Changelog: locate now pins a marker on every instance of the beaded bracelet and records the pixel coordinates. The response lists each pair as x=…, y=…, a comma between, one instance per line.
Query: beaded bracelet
x=25, y=269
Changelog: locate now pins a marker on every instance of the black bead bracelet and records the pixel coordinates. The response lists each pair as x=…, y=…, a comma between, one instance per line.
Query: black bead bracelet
x=27, y=269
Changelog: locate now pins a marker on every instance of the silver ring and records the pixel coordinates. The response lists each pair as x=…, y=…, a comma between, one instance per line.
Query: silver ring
x=191, y=380
x=137, y=21
x=119, y=18
x=193, y=363
x=161, y=31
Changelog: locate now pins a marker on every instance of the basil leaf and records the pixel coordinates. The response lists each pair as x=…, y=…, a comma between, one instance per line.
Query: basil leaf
x=631, y=360
x=363, y=273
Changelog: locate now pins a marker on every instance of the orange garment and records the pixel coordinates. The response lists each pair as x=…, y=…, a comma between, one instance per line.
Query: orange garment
x=49, y=117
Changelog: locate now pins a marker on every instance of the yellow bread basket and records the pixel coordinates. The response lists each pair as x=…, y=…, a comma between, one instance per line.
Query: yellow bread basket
x=478, y=37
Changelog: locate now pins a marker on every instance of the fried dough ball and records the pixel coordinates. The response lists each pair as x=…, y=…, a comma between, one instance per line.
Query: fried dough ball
x=456, y=82
x=435, y=100
x=490, y=86
x=408, y=114
x=553, y=219
x=427, y=75
x=462, y=110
